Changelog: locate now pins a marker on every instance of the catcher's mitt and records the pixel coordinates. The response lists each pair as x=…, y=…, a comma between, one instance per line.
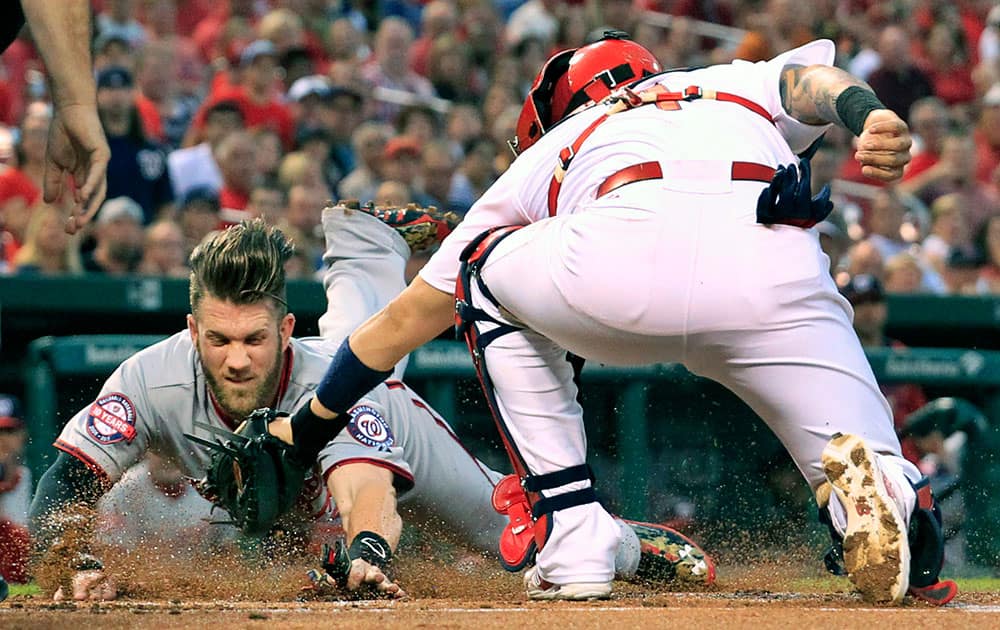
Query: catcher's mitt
x=253, y=476
x=420, y=227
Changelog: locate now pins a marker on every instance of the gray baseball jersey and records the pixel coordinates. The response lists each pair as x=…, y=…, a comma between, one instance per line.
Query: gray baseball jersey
x=157, y=395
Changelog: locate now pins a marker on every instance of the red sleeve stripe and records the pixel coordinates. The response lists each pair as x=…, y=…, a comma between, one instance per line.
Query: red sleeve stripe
x=395, y=385
x=88, y=461
x=452, y=435
x=403, y=479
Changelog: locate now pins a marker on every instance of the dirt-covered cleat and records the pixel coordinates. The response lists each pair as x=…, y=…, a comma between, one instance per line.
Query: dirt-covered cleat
x=540, y=589
x=876, y=551
x=669, y=556
x=420, y=227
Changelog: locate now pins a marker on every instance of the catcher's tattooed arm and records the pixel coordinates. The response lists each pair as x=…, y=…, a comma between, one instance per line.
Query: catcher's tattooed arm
x=819, y=94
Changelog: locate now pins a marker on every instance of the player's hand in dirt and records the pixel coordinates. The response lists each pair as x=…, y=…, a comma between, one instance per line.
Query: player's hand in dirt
x=363, y=581
x=364, y=576
x=883, y=146
x=90, y=585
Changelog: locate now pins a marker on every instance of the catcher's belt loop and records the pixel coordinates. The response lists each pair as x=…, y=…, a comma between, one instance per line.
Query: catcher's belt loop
x=547, y=481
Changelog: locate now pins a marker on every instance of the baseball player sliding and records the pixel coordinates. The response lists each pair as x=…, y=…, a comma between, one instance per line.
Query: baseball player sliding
x=657, y=217
x=238, y=355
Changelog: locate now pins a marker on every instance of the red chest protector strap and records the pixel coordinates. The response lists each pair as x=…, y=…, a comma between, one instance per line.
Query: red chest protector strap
x=627, y=99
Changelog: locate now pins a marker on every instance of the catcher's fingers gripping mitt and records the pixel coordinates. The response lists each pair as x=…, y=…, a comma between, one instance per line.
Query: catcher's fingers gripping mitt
x=253, y=475
x=420, y=227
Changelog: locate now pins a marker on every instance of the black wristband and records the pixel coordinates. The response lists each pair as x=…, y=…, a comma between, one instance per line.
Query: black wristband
x=310, y=433
x=347, y=379
x=371, y=548
x=853, y=106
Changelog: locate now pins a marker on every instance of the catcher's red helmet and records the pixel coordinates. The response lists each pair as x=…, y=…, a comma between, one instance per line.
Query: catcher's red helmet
x=573, y=77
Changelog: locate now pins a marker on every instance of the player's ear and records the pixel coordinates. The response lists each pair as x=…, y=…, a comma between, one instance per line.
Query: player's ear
x=286, y=328
x=192, y=328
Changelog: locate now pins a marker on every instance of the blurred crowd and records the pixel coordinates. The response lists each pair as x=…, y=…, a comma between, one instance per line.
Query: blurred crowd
x=219, y=110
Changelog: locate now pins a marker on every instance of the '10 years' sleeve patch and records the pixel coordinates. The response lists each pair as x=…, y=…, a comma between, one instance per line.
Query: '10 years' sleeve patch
x=111, y=419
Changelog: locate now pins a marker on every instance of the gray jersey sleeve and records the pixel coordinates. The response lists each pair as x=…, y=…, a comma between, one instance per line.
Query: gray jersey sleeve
x=368, y=438
x=110, y=434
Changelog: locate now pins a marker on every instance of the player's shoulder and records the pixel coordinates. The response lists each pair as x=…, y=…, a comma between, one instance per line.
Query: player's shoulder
x=310, y=358
x=169, y=362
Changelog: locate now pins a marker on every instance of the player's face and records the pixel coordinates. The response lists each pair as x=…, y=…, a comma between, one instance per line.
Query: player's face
x=241, y=348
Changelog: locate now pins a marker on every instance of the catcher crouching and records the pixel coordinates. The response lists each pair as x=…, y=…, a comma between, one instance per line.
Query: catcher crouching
x=186, y=398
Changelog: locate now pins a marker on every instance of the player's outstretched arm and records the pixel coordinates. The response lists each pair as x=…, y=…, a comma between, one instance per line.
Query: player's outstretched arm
x=821, y=94
x=77, y=146
x=366, y=500
x=420, y=313
x=65, y=502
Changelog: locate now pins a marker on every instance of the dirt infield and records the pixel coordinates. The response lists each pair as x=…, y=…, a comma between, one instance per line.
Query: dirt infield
x=705, y=610
x=467, y=594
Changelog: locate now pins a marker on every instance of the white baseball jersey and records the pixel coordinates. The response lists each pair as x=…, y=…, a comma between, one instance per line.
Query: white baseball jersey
x=666, y=269
x=696, y=144
x=155, y=397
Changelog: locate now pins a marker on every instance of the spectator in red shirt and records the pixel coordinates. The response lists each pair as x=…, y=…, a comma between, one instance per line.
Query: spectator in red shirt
x=238, y=165
x=929, y=122
x=211, y=31
x=34, y=138
x=255, y=93
x=15, y=493
x=18, y=195
x=438, y=18
x=190, y=14
x=988, y=135
x=897, y=81
x=948, y=64
x=389, y=67
x=155, y=76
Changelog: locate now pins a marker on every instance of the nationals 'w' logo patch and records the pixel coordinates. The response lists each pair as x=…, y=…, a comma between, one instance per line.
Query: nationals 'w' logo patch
x=369, y=427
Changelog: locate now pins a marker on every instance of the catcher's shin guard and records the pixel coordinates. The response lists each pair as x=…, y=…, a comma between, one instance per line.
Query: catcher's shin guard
x=519, y=495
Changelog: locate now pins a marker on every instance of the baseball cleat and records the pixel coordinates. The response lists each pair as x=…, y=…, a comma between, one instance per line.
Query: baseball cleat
x=668, y=556
x=420, y=227
x=876, y=551
x=540, y=589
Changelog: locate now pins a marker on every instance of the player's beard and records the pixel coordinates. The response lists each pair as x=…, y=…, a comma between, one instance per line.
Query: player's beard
x=239, y=403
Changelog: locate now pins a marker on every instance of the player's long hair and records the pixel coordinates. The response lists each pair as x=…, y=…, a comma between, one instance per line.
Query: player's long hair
x=243, y=264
